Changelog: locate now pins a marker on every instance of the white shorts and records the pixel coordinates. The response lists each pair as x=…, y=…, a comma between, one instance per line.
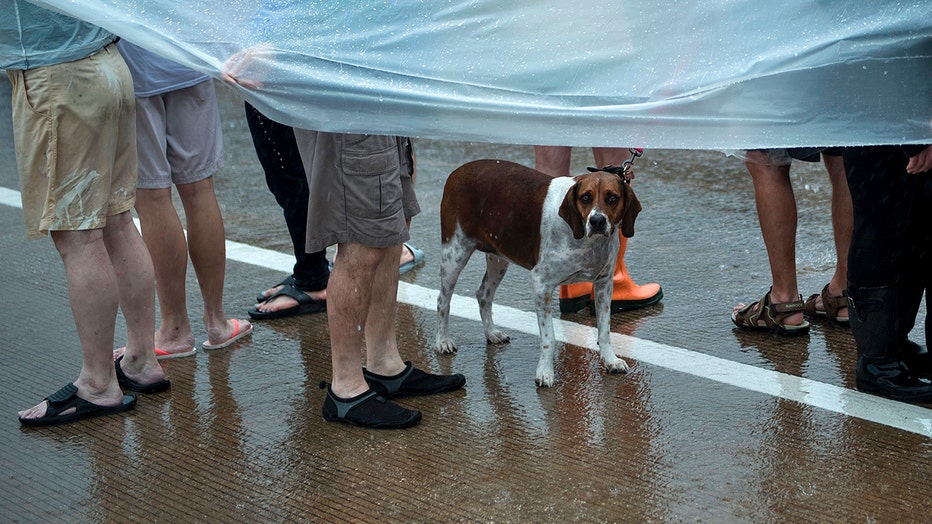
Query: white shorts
x=179, y=136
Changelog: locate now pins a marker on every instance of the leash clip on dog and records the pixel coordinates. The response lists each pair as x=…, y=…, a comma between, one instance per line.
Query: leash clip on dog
x=625, y=170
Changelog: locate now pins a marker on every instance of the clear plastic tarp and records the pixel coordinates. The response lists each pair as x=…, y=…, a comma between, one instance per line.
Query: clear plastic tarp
x=714, y=74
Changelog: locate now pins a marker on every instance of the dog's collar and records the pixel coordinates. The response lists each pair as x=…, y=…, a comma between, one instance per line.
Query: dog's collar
x=624, y=171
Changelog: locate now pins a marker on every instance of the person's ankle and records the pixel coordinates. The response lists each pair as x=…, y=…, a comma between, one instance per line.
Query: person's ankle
x=780, y=297
x=387, y=368
x=346, y=391
x=105, y=393
x=174, y=341
x=317, y=295
x=406, y=256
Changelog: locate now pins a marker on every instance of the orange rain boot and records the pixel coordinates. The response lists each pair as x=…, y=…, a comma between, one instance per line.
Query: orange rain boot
x=627, y=295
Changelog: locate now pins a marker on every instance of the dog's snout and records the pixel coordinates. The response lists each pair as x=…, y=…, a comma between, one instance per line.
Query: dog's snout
x=598, y=224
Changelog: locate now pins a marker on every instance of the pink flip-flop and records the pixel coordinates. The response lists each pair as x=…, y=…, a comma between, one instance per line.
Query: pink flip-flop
x=160, y=354
x=237, y=334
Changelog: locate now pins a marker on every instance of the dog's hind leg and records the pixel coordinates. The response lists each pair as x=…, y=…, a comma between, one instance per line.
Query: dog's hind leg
x=495, y=268
x=454, y=255
x=602, y=289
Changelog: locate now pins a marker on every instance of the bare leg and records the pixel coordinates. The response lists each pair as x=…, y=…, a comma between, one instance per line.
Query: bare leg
x=135, y=281
x=382, y=356
x=842, y=224
x=553, y=160
x=348, y=306
x=164, y=237
x=776, y=211
x=609, y=156
x=102, y=266
x=207, y=246
x=92, y=281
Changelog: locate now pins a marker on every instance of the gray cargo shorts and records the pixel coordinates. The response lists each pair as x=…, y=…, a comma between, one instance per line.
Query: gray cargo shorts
x=361, y=188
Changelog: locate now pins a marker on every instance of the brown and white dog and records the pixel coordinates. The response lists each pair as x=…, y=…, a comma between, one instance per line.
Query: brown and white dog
x=562, y=229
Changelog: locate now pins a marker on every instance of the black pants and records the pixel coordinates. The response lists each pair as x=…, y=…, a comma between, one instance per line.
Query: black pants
x=284, y=174
x=891, y=241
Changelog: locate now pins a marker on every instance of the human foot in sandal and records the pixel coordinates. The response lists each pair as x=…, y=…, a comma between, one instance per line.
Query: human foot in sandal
x=765, y=315
x=290, y=301
x=218, y=338
x=268, y=293
x=827, y=305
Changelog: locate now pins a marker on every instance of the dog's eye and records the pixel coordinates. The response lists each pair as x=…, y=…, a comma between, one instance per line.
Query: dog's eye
x=612, y=199
x=585, y=198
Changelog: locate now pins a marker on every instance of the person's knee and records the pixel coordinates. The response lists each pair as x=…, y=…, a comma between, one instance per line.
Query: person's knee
x=197, y=193
x=768, y=172
x=117, y=226
x=153, y=200
x=553, y=160
x=359, y=259
x=124, y=219
x=74, y=241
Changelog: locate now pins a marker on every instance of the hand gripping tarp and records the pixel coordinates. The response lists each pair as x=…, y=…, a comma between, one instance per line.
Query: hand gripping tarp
x=711, y=74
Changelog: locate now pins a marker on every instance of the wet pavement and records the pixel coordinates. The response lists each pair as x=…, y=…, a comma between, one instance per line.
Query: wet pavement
x=710, y=425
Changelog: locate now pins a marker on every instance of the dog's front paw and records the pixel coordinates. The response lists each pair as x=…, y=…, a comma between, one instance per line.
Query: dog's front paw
x=616, y=365
x=445, y=346
x=497, y=337
x=544, y=378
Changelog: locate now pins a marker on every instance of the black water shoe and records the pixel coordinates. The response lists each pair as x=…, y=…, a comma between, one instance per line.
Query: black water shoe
x=368, y=410
x=413, y=382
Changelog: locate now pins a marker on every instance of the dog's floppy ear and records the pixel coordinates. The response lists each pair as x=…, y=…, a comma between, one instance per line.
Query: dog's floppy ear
x=570, y=214
x=632, y=208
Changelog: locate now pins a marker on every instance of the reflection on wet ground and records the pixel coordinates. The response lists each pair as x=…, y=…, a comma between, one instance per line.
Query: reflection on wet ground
x=711, y=424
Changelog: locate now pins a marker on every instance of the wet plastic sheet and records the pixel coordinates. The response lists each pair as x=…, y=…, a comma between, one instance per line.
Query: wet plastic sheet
x=687, y=74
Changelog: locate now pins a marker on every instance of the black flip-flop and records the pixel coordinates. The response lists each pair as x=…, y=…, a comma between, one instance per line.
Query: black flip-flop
x=306, y=305
x=130, y=384
x=67, y=398
x=290, y=281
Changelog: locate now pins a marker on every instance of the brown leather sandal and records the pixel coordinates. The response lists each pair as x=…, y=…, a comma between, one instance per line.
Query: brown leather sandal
x=831, y=305
x=764, y=315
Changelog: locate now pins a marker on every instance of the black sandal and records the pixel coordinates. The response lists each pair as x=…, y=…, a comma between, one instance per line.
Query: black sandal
x=67, y=398
x=306, y=305
x=290, y=281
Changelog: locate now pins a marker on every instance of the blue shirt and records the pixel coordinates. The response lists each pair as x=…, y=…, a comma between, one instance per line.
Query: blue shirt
x=31, y=36
x=153, y=74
